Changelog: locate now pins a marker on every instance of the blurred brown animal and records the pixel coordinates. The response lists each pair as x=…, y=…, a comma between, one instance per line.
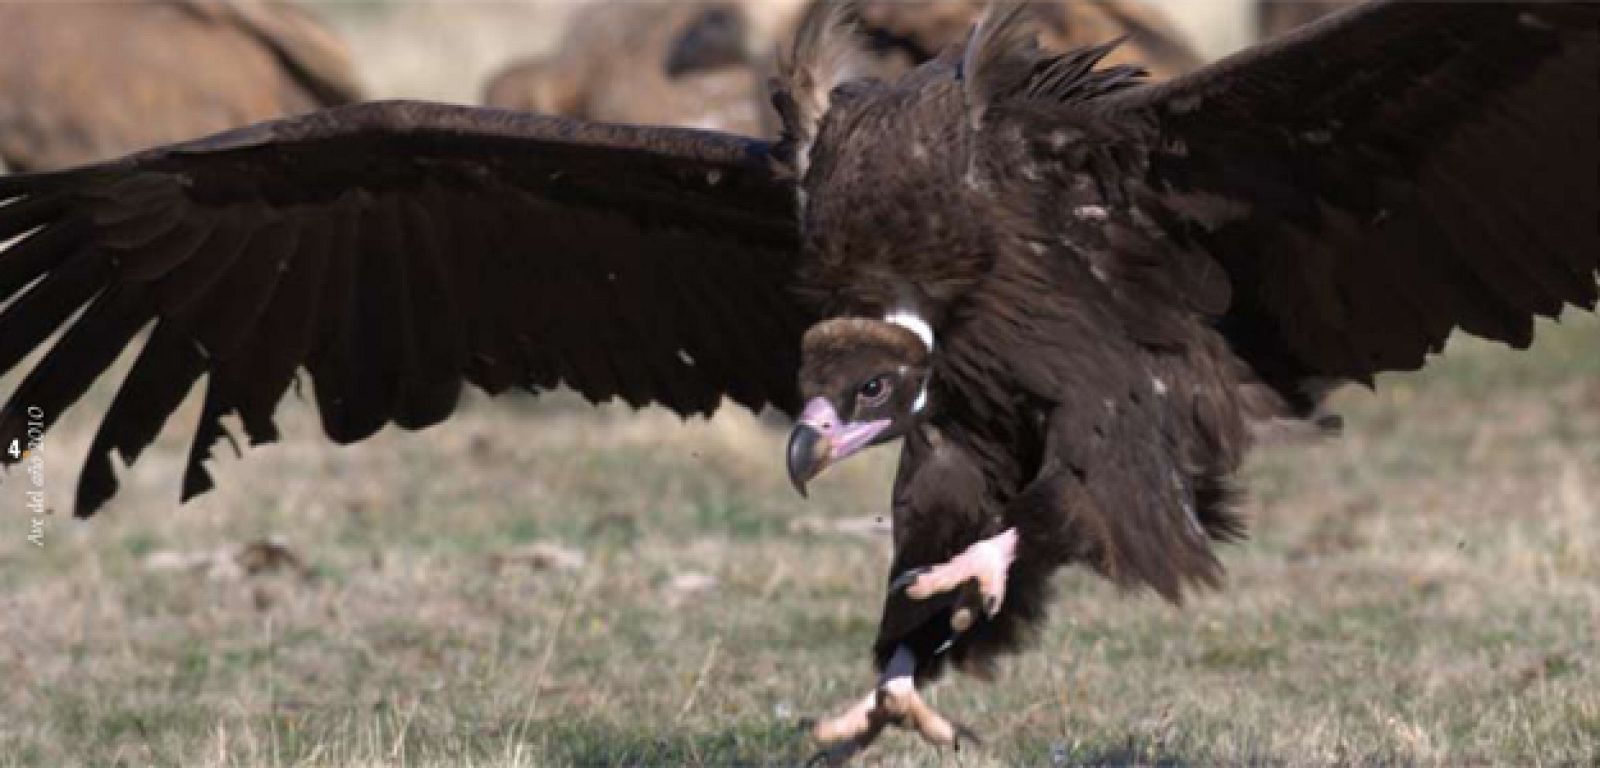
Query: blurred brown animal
x=905, y=33
x=85, y=82
x=689, y=64
x=648, y=63
x=1275, y=17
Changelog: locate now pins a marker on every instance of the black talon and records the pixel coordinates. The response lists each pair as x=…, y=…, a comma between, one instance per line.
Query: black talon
x=963, y=732
x=906, y=579
x=824, y=757
x=840, y=753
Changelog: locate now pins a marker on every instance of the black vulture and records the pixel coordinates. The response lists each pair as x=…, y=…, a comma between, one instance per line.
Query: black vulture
x=81, y=82
x=1068, y=294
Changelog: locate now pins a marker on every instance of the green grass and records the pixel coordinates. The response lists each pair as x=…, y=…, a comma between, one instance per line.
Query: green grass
x=1424, y=588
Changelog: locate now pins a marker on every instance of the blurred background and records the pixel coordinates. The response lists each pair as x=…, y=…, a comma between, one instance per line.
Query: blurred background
x=539, y=582
x=88, y=79
x=447, y=49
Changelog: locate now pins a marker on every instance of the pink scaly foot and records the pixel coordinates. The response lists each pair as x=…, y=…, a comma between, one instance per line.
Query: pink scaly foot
x=895, y=701
x=985, y=562
x=849, y=733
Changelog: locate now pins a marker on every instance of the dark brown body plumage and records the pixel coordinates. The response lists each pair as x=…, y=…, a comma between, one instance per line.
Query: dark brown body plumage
x=1049, y=409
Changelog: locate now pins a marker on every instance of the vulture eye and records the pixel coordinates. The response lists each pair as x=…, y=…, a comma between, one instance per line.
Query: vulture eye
x=875, y=392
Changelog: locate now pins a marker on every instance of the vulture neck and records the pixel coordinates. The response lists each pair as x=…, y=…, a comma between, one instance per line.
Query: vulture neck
x=995, y=355
x=995, y=421
x=914, y=323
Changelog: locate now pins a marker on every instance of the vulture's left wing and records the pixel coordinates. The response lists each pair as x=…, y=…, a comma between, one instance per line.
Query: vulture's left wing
x=393, y=251
x=1375, y=180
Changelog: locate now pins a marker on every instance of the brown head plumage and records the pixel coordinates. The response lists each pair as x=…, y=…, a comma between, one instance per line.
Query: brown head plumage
x=864, y=381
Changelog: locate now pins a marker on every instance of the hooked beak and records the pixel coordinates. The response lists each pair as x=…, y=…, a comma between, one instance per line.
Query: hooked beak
x=808, y=455
x=820, y=439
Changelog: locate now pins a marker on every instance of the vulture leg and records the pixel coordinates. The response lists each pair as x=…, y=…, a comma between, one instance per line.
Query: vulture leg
x=895, y=701
x=985, y=562
x=850, y=732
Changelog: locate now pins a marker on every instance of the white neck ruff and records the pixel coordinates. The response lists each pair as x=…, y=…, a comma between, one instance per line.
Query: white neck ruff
x=914, y=323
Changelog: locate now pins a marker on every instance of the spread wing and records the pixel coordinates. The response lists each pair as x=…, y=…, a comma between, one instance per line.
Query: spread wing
x=1384, y=176
x=1366, y=185
x=393, y=250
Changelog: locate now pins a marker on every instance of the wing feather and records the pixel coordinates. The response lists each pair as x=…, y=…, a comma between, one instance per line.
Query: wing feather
x=196, y=478
x=45, y=306
x=395, y=251
x=159, y=256
x=264, y=367
x=36, y=253
x=183, y=292
x=1393, y=173
x=161, y=377
x=18, y=216
x=330, y=361
x=242, y=294
x=438, y=343
x=77, y=358
x=1367, y=186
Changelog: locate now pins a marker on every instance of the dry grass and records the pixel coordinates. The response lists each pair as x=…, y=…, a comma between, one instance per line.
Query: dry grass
x=1425, y=589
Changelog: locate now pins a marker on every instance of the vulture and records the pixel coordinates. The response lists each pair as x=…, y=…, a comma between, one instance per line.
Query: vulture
x=1066, y=293
x=81, y=82
x=693, y=64
x=905, y=33
x=656, y=63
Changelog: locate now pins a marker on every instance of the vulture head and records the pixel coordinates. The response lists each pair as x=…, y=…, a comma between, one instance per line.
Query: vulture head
x=863, y=381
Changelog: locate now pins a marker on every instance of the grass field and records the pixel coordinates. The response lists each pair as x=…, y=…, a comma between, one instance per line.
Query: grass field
x=1424, y=589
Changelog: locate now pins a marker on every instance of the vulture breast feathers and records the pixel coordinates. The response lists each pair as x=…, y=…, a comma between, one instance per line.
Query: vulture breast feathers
x=1068, y=293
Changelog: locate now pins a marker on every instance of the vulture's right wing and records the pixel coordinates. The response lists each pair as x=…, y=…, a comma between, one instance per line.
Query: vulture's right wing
x=394, y=250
